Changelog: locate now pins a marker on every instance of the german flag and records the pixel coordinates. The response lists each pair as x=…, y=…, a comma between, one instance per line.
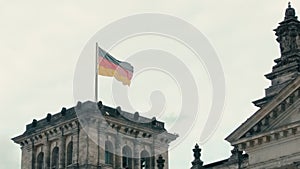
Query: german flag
x=110, y=66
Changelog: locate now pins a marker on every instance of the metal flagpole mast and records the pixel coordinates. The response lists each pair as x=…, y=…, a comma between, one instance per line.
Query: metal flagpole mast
x=96, y=73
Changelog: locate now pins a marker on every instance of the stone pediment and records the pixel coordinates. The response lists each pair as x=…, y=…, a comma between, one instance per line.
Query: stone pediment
x=290, y=116
x=279, y=114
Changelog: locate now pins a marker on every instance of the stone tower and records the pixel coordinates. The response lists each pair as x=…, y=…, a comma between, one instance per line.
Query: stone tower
x=270, y=138
x=287, y=67
x=94, y=136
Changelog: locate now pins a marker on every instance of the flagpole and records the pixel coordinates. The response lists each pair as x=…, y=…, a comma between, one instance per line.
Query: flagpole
x=96, y=73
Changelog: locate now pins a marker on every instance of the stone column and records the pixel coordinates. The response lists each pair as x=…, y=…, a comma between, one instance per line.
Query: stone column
x=93, y=148
x=98, y=143
x=83, y=148
x=153, y=155
x=136, y=154
x=75, y=139
x=62, y=147
x=26, y=156
x=118, y=152
x=101, y=142
x=46, y=153
x=32, y=154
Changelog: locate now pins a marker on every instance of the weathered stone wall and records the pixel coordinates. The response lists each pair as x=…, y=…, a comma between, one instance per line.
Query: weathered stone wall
x=26, y=157
x=276, y=154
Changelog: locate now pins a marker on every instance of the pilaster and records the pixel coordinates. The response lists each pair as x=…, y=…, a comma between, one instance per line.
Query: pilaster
x=118, y=151
x=32, y=153
x=75, y=139
x=46, y=153
x=136, y=154
x=26, y=156
x=101, y=143
x=62, y=148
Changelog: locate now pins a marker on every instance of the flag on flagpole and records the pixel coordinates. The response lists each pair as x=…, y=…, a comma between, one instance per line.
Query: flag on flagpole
x=110, y=66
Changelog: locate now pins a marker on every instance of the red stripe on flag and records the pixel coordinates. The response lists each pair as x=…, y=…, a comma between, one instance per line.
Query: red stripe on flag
x=109, y=65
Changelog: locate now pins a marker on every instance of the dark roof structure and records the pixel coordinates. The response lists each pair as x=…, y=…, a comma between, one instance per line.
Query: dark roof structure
x=108, y=114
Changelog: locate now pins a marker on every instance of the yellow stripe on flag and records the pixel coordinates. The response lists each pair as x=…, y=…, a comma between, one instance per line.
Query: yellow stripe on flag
x=113, y=73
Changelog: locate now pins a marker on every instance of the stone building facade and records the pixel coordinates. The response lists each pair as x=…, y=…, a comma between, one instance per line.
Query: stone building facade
x=270, y=138
x=93, y=136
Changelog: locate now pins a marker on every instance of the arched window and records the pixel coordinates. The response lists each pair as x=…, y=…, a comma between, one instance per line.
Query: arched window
x=108, y=152
x=55, y=158
x=145, y=160
x=127, y=157
x=40, y=160
x=69, y=153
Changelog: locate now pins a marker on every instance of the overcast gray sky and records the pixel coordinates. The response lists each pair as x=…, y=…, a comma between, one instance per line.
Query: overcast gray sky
x=41, y=42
